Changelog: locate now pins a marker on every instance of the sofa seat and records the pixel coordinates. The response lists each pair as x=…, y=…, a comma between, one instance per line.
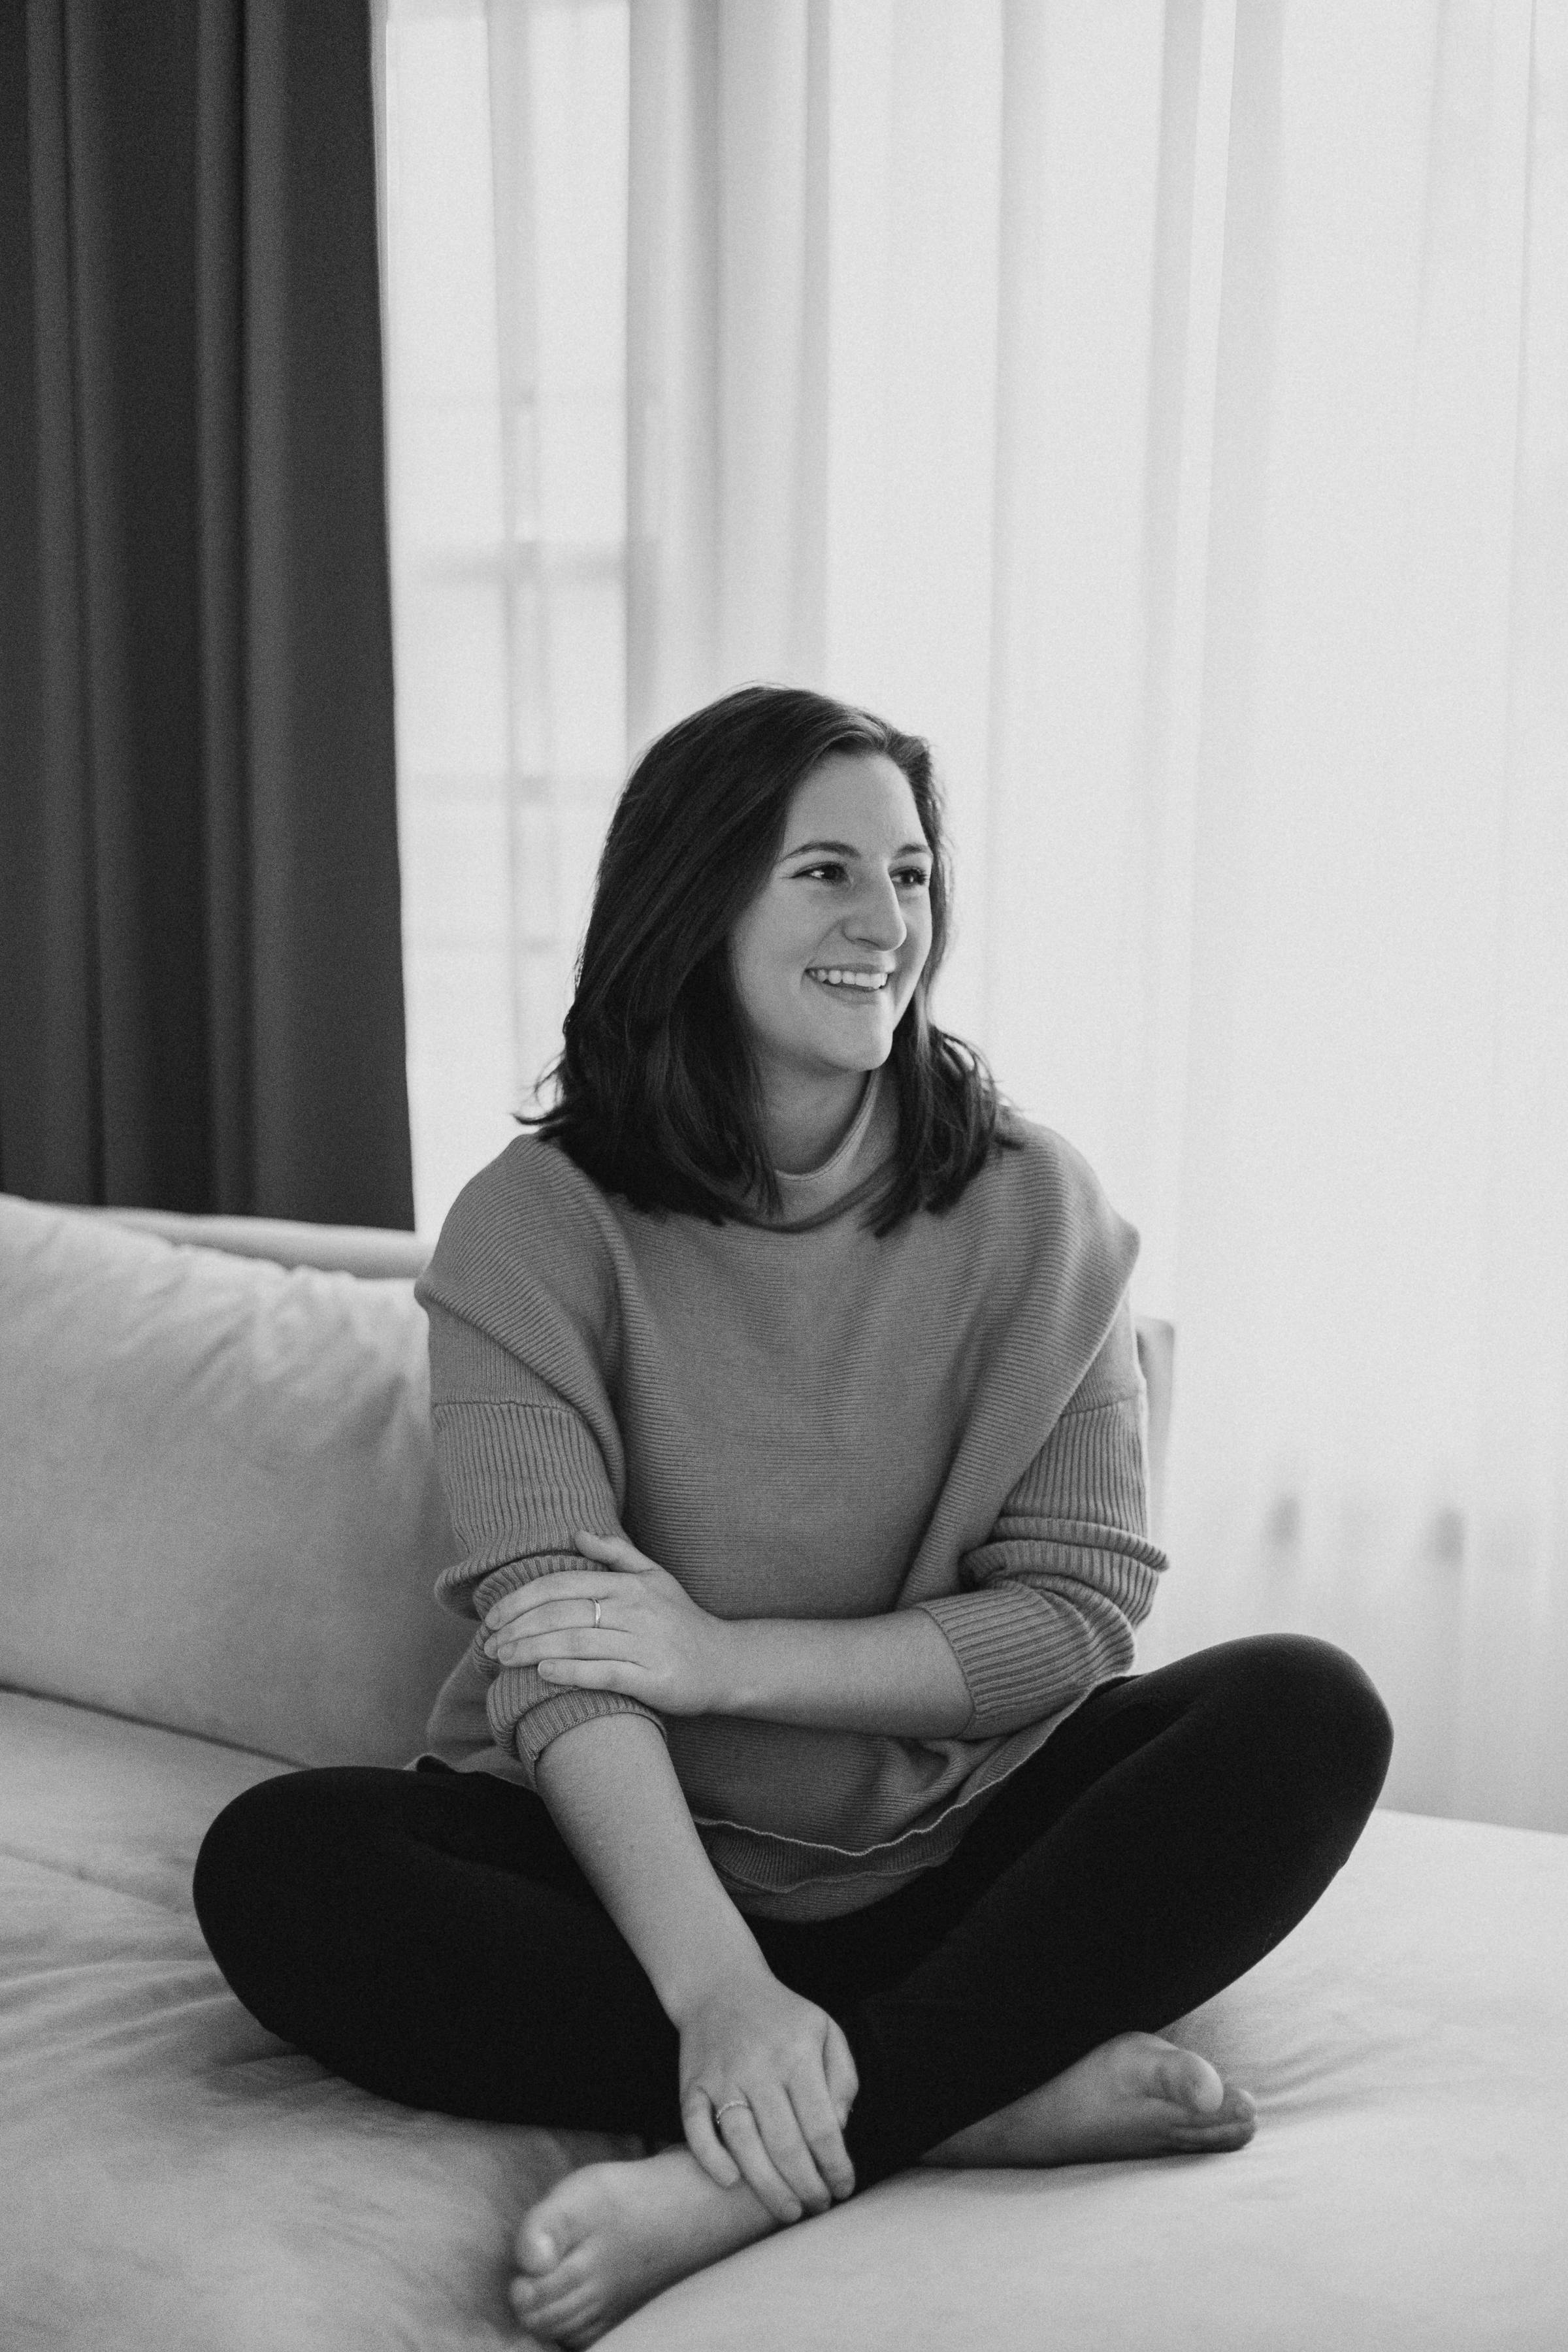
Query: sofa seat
x=180, y=2180
x=177, y=2178
x=219, y=1530
x=1407, y=2189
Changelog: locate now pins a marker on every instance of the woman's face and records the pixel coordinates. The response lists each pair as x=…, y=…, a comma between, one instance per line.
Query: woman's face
x=852, y=891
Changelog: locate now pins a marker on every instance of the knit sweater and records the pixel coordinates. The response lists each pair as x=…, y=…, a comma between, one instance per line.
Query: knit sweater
x=798, y=1420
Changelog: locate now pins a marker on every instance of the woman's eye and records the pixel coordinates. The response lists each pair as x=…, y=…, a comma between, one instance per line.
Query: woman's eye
x=916, y=874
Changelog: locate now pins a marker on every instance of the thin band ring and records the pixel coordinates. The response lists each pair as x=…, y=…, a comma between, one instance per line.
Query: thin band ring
x=595, y=1616
x=727, y=2105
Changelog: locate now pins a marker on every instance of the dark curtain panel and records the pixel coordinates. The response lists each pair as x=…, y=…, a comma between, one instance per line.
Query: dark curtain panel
x=201, y=990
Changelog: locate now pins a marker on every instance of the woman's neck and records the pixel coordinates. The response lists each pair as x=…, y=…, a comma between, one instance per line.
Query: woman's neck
x=804, y=1135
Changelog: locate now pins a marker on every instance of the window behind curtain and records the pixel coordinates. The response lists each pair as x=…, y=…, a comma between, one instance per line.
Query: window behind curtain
x=1162, y=407
x=504, y=189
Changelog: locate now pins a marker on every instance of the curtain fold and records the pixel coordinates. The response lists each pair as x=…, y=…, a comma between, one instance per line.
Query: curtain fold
x=1165, y=408
x=200, y=979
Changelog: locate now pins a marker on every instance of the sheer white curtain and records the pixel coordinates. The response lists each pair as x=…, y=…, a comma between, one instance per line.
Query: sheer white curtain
x=1164, y=407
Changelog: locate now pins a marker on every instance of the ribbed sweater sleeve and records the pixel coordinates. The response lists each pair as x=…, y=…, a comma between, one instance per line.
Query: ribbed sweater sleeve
x=1067, y=1571
x=520, y=1471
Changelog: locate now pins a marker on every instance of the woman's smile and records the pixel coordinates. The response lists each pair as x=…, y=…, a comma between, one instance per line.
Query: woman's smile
x=853, y=992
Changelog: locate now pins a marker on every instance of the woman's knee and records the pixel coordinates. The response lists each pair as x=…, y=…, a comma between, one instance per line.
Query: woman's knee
x=257, y=1852
x=1321, y=1703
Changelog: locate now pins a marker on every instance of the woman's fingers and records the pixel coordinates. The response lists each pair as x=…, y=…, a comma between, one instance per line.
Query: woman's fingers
x=745, y=2143
x=706, y=2145
x=838, y=2065
x=618, y=1548
x=787, y=2146
x=820, y=2128
x=577, y=1584
x=525, y=1645
x=555, y=1630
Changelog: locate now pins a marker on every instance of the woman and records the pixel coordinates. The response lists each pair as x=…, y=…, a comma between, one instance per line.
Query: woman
x=796, y=1807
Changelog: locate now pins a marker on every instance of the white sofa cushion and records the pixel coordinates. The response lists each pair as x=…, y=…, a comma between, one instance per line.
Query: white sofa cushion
x=178, y=2181
x=218, y=1503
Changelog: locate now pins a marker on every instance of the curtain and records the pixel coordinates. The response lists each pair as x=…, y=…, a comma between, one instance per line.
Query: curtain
x=200, y=977
x=1165, y=408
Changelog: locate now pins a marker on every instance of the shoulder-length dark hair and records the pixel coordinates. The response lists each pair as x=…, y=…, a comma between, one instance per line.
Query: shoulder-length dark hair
x=658, y=1091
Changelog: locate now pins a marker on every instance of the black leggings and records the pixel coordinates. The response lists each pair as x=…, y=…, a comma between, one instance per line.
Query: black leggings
x=429, y=1935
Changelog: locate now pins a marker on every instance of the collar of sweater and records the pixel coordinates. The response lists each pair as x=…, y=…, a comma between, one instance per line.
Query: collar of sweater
x=813, y=1195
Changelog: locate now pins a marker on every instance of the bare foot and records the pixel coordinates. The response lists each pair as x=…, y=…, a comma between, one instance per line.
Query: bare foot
x=612, y=2235
x=1136, y=2095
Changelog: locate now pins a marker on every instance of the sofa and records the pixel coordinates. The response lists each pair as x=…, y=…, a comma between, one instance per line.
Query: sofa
x=219, y=1527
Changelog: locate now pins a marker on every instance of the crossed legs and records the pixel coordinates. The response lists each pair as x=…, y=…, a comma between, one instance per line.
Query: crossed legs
x=431, y=1938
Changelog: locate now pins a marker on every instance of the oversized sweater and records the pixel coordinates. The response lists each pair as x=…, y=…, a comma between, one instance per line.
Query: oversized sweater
x=796, y=1419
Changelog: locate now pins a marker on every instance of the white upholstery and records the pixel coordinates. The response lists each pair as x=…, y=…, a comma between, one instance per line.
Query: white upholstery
x=220, y=1505
x=1407, y=2189
x=177, y=2180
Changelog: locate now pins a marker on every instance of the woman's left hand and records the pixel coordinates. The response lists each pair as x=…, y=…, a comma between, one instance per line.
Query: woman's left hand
x=652, y=1641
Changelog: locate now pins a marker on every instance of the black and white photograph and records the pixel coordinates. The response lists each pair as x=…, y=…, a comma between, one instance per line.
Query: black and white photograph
x=783, y=1175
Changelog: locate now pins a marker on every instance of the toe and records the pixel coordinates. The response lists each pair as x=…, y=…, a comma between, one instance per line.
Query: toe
x=1232, y=2127
x=1236, y=2111
x=1220, y=2141
x=1190, y=2081
x=571, y=2272
x=550, y=2230
x=537, y=2251
x=527, y=2296
x=579, y=2320
x=567, y=2317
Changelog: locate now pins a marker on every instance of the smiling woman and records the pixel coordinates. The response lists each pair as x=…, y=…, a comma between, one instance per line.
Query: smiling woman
x=850, y=936
x=768, y=841
x=796, y=1805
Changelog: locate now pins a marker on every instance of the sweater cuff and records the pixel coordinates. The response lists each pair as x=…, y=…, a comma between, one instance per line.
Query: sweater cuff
x=997, y=1637
x=542, y=1724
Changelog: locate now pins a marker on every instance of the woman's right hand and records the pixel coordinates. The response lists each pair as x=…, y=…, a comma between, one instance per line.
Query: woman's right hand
x=749, y=2037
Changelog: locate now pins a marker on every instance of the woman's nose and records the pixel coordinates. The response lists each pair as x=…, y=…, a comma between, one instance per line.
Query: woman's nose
x=877, y=917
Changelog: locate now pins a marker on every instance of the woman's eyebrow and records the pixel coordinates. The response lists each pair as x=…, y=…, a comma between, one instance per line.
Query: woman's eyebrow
x=847, y=849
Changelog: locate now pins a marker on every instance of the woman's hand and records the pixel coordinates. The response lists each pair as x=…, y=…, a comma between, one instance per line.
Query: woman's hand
x=652, y=1641
x=751, y=2038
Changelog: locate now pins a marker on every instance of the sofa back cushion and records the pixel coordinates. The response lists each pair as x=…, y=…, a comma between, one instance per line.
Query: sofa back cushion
x=218, y=1502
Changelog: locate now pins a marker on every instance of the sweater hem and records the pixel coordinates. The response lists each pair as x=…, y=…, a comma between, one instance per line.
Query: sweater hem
x=772, y=1862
